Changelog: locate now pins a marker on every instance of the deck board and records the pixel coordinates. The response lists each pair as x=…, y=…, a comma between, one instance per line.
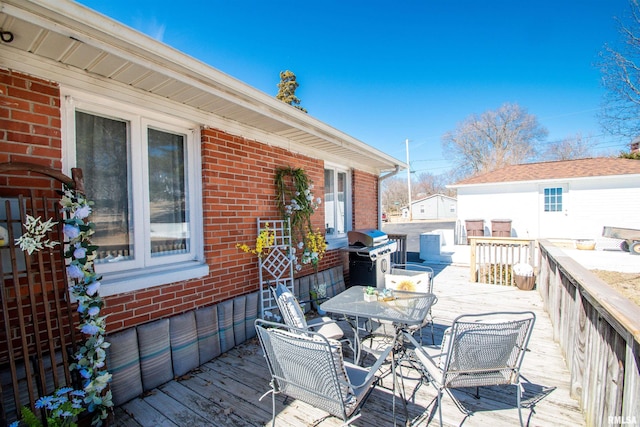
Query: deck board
x=225, y=391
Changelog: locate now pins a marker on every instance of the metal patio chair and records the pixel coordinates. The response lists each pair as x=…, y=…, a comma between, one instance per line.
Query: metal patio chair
x=293, y=315
x=477, y=350
x=307, y=366
x=405, y=277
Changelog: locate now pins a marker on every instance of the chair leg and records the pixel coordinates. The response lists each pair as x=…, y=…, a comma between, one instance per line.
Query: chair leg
x=273, y=410
x=440, y=405
x=519, y=404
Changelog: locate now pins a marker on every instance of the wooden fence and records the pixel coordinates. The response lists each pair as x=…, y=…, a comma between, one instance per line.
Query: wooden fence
x=492, y=258
x=599, y=333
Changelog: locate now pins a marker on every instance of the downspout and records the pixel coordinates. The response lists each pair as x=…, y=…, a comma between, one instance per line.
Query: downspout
x=380, y=179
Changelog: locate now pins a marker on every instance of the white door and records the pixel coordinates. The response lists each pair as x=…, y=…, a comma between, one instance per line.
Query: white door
x=553, y=211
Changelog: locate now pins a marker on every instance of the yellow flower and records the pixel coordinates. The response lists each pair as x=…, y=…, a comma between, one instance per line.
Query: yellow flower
x=315, y=248
x=264, y=241
x=406, y=285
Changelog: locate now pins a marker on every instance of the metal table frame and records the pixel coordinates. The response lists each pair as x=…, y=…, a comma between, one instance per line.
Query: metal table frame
x=404, y=310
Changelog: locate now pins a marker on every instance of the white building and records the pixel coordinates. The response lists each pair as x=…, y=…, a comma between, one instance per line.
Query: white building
x=571, y=199
x=436, y=206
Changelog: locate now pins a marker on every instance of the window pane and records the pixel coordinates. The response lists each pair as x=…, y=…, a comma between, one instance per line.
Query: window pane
x=102, y=154
x=553, y=199
x=341, y=206
x=329, y=205
x=167, y=196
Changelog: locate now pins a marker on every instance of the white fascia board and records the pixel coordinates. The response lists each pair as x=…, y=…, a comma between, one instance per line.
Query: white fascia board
x=547, y=181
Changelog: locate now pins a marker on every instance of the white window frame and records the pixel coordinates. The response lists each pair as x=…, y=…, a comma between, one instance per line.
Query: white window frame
x=143, y=271
x=340, y=239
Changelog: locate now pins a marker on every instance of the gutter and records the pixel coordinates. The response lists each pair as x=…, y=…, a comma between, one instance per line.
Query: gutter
x=380, y=179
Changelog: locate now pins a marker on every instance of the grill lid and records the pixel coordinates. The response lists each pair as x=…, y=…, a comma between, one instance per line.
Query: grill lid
x=368, y=237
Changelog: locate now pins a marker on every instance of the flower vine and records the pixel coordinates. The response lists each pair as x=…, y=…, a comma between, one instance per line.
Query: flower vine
x=85, y=286
x=90, y=359
x=297, y=203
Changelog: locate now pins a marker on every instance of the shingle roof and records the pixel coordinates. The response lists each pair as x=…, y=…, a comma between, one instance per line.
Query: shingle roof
x=592, y=167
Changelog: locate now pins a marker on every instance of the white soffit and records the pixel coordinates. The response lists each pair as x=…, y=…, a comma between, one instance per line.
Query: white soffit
x=75, y=36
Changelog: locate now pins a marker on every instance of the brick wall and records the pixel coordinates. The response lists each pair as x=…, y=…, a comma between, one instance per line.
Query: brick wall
x=29, y=129
x=365, y=200
x=238, y=181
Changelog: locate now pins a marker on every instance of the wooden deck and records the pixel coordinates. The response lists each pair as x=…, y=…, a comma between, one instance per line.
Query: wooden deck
x=225, y=391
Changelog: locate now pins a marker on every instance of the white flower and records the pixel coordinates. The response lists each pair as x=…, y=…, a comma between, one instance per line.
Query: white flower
x=35, y=237
x=82, y=212
x=93, y=288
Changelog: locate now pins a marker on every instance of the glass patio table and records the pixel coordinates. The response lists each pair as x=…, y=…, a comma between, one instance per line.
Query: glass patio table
x=404, y=309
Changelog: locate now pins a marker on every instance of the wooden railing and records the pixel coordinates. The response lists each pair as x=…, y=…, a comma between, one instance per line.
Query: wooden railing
x=492, y=258
x=599, y=333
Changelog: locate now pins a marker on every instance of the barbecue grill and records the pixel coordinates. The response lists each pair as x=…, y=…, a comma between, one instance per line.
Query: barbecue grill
x=369, y=257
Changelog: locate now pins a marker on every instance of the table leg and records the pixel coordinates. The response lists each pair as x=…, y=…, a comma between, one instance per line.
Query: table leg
x=397, y=348
x=355, y=343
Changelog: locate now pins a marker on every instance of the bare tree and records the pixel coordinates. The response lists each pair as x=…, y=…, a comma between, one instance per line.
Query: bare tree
x=576, y=147
x=620, y=68
x=506, y=136
x=427, y=184
x=394, y=195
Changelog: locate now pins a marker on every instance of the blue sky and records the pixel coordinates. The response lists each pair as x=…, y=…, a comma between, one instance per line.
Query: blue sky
x=387, y=71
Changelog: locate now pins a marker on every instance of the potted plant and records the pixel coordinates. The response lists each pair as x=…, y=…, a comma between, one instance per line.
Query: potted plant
x=524, y=276
x=370, y=294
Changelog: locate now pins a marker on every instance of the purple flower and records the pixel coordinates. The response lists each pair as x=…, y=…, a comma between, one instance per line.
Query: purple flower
x=71, y=231
x=89, y=329
x=82, y=212
x=75, y=272
x=79, y=252
x=93, y=311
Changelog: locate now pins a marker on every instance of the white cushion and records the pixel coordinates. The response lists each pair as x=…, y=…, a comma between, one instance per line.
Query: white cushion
x=326, y=327
x=291, y=310
x=408, y=282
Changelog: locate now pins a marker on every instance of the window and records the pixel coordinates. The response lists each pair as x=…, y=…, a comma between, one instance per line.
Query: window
x=336, y=202
x=553, y=199
x=140, y=170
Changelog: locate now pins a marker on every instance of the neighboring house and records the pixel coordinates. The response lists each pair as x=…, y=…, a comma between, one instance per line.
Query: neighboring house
x=436, y=206
x=570, y=199
x=146, y=122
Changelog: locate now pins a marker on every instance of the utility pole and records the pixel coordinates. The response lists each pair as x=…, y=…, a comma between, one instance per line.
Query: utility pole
x=409, y=181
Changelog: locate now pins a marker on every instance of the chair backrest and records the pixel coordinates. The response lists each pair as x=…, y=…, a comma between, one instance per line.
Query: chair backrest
x=307, y=366
x=289, y=307
x=486, y=349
